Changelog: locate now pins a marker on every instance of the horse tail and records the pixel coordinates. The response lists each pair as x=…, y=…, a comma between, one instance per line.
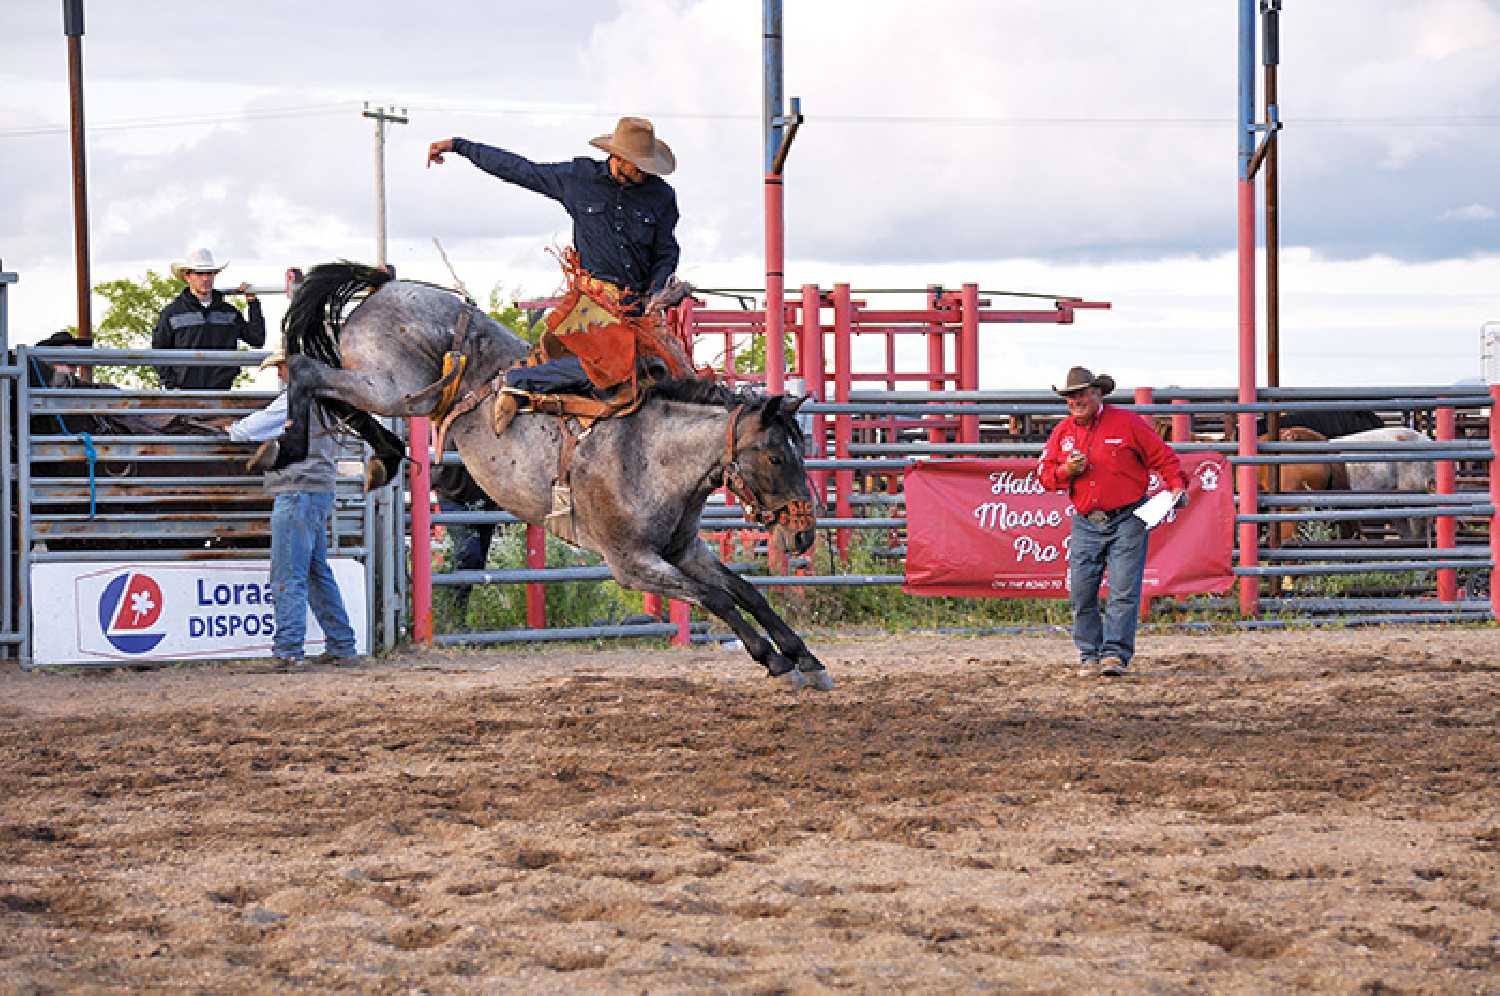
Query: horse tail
x=316, y=315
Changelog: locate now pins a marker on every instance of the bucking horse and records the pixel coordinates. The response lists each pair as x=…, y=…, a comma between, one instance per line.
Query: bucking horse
x=639, y=482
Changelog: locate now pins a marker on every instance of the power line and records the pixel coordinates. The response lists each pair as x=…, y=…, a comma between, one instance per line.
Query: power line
x=1463, y=121
x=133, y=124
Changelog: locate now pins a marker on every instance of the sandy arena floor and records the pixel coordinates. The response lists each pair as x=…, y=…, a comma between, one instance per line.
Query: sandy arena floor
x=1248, y=813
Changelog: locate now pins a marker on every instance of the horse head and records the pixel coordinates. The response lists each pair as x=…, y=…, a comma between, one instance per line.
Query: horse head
x=765, y=469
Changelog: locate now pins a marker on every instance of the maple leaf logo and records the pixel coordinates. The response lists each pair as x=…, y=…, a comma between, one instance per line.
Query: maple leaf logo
x=141, y=604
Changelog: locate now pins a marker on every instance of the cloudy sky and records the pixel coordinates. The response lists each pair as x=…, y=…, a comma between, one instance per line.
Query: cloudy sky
x=1058, y=146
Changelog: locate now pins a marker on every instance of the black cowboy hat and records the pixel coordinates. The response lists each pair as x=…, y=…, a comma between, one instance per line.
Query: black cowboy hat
x=1080, y=378
x=62, y=337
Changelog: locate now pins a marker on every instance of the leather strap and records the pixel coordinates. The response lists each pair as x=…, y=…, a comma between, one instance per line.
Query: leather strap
x=795, y=513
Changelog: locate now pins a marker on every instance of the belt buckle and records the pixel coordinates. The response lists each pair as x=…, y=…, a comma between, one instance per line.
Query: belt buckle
x=1098, y=517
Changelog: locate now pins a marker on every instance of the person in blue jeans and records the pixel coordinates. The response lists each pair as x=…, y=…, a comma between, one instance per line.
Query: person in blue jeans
x=1104, y=458
x=300, y=575
x=1119, y=546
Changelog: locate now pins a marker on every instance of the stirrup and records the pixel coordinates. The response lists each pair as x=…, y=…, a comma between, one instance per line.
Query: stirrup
x=560, y=522
x=562, y=500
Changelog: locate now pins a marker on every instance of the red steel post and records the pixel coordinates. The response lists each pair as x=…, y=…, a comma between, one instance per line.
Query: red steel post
x=775, y=287
x=420, y=431
x=815, y=376
x=935, y=356
x=1246, y=476
x=680, y=614
x=651, y=605
x=536, y=592
x=968, y=357
x=1182, y=425
x=1447, y=526
x=843, y=429
x=1143, y=396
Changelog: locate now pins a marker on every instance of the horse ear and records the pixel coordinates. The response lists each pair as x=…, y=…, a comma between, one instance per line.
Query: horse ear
x=770, y=411
x=794, y=402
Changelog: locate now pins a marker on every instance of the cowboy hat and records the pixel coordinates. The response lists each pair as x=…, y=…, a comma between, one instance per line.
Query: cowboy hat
x=635, y=140
x=196, y=259
x=277, y=357
x=1082, y=377
x=63, y=337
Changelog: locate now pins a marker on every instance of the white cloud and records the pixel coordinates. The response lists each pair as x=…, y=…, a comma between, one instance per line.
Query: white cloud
x=1059, y=145
x=1469, y=212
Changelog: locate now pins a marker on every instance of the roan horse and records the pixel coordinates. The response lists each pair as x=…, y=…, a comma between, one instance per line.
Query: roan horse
x=639, y=482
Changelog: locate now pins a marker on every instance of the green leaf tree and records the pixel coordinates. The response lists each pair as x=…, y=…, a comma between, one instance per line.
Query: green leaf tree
x=753, y=360
x=504, y=309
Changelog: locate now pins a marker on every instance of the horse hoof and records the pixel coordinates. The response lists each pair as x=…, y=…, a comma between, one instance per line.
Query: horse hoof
x=375, y=476
x=265, y=457
x=819, y=680
x=794, y=680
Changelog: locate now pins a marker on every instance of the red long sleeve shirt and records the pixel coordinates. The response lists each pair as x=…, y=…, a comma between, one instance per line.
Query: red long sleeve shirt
x=1122, y=450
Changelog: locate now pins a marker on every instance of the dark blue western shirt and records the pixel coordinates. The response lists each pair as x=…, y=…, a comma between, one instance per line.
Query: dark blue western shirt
x=624, y=233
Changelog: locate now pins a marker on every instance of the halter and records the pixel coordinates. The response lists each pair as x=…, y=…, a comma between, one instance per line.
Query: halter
x=794, y=513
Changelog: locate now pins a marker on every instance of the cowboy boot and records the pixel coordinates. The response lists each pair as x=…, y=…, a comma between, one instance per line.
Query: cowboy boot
x=506, y=407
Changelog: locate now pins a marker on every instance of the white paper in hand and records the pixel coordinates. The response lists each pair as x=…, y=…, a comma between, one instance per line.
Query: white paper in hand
x=1156, y=509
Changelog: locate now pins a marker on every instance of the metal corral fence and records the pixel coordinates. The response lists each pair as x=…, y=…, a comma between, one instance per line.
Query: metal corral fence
x=78, y=498
x=78, y=495
x=859, y=449
x=11, y=629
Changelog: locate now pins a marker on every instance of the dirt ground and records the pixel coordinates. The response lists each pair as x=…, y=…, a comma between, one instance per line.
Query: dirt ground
x=1249, y=812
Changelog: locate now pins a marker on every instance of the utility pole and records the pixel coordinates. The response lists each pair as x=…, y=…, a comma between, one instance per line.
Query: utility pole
x=381, y=115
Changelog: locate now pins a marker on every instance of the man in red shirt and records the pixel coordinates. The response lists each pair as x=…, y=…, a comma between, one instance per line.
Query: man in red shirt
x=1104, y=458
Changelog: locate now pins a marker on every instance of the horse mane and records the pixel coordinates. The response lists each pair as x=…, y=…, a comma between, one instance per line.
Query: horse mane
x=716, y=394
x=316, y=315
x=703, y=391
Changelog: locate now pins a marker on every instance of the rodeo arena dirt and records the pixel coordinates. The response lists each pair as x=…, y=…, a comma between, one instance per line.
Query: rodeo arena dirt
x=846, y=742
x=1253, y=812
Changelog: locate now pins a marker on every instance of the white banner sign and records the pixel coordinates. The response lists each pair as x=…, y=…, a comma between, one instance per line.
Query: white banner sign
x=169, y=611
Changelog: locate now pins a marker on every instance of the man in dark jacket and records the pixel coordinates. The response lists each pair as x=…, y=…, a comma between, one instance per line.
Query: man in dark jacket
x=200, y=318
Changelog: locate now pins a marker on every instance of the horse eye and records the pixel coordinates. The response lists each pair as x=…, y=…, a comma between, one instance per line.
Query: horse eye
x=776, y=461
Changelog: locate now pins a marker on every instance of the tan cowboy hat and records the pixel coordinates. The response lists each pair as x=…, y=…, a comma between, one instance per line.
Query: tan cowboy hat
x=196, y=259
x=635, y=139
x=274, y=360
x=1082, y=377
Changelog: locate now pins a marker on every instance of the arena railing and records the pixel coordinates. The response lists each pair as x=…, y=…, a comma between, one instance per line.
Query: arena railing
x=852, y=509
x=183, y=500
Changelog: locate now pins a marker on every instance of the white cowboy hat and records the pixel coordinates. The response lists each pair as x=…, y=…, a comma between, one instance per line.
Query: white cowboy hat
x=635, y=139
x=196, y=259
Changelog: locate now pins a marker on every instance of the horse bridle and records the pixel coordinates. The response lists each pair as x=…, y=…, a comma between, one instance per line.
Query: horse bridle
x=794, y=513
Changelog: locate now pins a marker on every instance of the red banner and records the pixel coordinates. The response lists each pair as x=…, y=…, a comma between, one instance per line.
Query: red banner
x=988, y=529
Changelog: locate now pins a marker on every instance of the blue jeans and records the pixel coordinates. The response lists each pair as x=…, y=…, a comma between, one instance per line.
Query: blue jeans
x=301, y=577
x=1120, y=546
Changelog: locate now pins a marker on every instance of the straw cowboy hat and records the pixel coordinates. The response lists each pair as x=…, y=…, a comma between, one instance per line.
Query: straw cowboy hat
x=196, y=259
x=276, y=359
x=634, y=139
x=1082, y=377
